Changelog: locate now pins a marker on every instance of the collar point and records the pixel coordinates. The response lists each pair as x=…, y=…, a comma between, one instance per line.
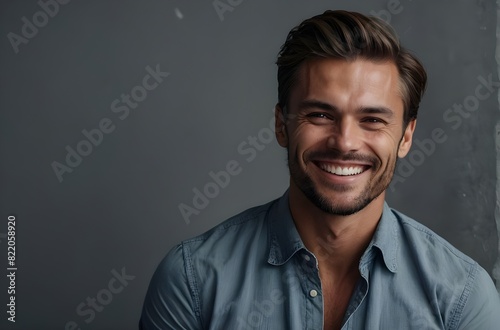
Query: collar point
x=393, y=268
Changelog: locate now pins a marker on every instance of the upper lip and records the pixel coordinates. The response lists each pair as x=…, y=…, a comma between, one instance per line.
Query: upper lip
x=343, y=163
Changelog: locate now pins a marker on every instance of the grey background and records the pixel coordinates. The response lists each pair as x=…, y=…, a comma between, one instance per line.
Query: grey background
x=119, y=207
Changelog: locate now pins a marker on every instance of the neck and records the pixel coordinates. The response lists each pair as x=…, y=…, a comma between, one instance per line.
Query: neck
x=337, y=241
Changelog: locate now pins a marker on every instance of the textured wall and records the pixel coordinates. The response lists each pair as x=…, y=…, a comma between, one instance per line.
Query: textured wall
x=113, y=113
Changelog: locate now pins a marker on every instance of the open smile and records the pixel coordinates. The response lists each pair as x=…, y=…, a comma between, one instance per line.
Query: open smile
x=342, y=169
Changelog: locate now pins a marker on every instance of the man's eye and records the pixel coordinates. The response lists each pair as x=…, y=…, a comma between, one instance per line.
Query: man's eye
x=318, y=115
x=374, y=120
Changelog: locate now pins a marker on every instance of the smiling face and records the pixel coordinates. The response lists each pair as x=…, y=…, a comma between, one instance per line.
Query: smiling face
x=344, y=132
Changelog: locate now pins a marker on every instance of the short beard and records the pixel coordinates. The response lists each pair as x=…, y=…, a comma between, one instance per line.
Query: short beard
x=306, y=185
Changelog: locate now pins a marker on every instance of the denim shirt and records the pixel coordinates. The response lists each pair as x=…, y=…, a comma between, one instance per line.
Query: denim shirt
x=254, y=272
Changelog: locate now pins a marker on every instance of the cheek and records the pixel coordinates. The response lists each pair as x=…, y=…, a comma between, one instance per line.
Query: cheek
x=391, y=135
x=302, y=140
x=307, y=136
x=384, y=144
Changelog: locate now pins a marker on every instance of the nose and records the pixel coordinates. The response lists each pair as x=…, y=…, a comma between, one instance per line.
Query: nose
x=346, y=136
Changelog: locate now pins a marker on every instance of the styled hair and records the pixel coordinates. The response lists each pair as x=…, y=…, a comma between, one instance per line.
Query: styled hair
x=340, y=34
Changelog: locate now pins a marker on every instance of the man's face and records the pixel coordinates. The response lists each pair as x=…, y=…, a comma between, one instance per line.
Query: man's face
x=344, y=132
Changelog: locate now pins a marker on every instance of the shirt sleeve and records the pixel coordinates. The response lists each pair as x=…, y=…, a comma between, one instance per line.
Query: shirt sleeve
x=169, y=303
x=482, y=309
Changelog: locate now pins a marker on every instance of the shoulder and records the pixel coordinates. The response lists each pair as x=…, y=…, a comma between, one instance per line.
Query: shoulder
x=238, y=230
x=243, y=219
x=188, y=274
x=463, y=289
x=225, y=244
x=429, y=244
x=169, y=295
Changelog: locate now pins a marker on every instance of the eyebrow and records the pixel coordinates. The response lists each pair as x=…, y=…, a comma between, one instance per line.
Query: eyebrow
x=377, y=110
x=308, y=104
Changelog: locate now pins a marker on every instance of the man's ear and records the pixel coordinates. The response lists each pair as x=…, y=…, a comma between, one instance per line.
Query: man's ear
x=405, y=144
x=279, y=126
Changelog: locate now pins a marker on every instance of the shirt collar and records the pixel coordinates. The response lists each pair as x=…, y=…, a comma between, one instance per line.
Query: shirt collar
x=285, y=240
x=385, y=239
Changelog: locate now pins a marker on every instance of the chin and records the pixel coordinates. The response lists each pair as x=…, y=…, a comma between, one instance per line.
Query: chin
x=340, y=205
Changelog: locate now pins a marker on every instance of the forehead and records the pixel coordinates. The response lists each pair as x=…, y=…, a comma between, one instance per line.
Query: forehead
x=348, y=84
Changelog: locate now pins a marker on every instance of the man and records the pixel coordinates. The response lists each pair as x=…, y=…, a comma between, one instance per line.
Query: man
x=330, y=253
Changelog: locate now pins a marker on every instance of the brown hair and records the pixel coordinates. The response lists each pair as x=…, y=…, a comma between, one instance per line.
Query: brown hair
x=347, y=35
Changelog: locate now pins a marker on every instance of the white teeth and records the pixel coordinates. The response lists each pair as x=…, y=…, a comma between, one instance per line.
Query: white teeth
x=353, y=170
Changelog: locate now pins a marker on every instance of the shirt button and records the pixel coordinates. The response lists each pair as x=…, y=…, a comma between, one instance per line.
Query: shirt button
x=307, y=257
x=313, y=293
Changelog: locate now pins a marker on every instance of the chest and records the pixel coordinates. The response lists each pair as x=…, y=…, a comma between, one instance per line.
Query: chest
x=336, y=297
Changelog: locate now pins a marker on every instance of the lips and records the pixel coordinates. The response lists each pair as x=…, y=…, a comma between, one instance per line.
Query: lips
x=342, y=169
